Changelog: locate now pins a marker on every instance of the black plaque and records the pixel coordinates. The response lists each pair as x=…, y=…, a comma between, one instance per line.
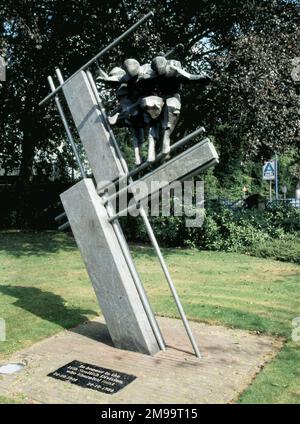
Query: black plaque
x=93, y=377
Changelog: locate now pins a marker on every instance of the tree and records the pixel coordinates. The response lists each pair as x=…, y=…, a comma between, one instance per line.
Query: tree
x=244, y=45
x=254, y=78
x=36, y=37
x=247, y=47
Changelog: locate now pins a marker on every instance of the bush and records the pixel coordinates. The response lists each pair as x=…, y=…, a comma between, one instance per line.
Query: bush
x=271, y=233
x=287, y=248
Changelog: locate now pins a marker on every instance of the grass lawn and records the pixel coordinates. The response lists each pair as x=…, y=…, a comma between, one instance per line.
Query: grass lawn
x=44, y=288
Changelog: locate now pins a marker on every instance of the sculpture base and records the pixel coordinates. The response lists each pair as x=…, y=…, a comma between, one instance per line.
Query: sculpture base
x=231, y=359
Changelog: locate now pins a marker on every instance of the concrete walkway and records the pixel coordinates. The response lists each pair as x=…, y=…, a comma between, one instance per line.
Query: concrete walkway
x=231, y=359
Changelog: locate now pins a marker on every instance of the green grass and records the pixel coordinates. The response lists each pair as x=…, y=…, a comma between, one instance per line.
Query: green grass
x=4, y=399
x=44, y=288
x=17, y=399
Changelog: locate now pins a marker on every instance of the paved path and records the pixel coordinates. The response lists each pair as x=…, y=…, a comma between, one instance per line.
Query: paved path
x=231, y=359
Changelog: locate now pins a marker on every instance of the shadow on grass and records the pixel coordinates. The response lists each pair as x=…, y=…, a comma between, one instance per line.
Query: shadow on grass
x=46, y=305
x=20, y=244
x=41, y=243
x=94, y=330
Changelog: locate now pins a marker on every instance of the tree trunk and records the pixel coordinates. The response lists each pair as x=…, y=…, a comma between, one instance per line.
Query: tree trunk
x=28, y=147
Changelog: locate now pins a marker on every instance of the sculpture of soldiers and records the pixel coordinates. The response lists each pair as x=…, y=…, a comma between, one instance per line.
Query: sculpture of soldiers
x=149, y=100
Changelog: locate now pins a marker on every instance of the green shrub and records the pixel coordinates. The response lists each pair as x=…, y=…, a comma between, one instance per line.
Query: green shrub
x=286, y=248
x=271, y=233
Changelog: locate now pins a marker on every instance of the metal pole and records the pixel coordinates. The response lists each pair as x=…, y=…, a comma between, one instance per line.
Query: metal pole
x=170, y=282
x=276, y=176
x=68, y=132
x=173, y=50
x=270, y=190
x=61, y=216
x=156, y=246
x=64, y=226
x=101, y=53
x=127, y=210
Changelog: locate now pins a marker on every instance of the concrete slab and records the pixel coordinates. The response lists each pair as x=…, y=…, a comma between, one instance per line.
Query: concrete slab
x=95, y=137
x=112, y=280
x=182, y=167
x=232, y=358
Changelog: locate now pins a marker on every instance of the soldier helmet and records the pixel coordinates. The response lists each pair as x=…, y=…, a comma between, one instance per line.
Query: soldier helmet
x=131, y=67
x=159, y=64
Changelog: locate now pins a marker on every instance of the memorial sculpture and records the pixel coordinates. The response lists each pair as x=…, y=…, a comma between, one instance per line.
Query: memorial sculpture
x=149, y=100
x=89, y=209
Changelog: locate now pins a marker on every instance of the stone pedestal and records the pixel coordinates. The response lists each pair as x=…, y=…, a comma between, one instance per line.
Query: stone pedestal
x=115, y=289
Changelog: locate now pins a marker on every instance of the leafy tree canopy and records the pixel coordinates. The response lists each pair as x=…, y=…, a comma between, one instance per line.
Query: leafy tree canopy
x=251, y=107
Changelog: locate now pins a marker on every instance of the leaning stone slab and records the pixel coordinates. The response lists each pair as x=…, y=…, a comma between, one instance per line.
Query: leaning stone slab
x=184, y=166
x=117, y=295
x=92, y=129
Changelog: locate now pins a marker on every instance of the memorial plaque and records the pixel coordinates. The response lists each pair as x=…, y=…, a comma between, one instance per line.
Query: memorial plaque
x=93, y=377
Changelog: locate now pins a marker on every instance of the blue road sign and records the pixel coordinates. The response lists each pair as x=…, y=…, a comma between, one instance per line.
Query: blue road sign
x=269, y=171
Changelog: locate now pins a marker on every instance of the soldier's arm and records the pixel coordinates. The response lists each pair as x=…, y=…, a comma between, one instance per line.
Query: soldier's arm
x=186, y=76
x=113, y=80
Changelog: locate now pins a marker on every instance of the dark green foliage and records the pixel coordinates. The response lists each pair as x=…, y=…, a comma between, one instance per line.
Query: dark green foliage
x=287, y=248
x=33, y=206
x=245, y=46
x=35, y=38
x=271, y=233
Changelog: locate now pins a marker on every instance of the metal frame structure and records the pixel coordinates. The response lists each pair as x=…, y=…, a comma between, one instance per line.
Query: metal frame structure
x=127, y=176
